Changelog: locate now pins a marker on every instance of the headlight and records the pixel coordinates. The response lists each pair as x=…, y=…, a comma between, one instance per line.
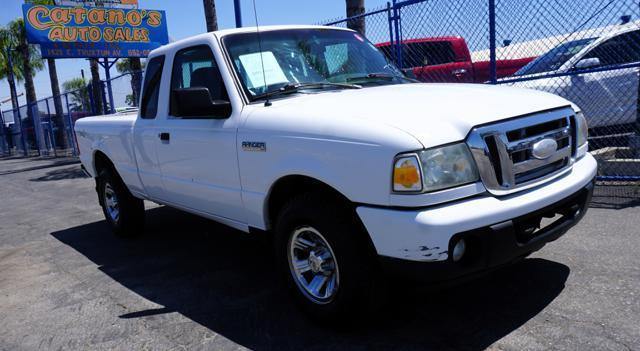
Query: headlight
x=582, y=133
x=448, y=166
x=582, y=129
x=434, y=169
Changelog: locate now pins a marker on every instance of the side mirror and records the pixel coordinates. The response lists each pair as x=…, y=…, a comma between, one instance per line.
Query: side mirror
x=588, y=63
x=196, y=103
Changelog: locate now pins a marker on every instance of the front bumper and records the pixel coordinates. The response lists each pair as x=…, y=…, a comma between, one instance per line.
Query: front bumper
x=418, y=242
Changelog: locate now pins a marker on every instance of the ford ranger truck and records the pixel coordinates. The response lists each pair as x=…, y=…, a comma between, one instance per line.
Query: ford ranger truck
x=310, y=135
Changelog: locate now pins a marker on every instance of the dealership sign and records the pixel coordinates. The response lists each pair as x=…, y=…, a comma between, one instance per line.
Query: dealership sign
x=66, y=32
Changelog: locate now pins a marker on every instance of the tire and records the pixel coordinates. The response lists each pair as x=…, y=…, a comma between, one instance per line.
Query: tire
x=123, y=212
x=330, y=237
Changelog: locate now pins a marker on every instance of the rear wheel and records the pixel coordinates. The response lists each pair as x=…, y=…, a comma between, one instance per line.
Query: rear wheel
x=324, y=262
x=123, y=212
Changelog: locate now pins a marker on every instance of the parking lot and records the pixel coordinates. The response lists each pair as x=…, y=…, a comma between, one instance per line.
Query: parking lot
x=188, y=283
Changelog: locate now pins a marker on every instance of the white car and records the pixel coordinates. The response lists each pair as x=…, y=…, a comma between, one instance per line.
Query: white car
x=309, y=135
x=607, y=97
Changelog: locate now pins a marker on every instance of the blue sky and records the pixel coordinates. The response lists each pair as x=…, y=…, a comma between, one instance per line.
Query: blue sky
x=186, y=18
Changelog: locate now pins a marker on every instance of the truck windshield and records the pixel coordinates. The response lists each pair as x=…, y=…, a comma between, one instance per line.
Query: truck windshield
x=555, y=58
x=311, y=59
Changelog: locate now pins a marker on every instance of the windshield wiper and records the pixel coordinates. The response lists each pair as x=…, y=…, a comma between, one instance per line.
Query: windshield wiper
x=375, y=76
x=296, y=87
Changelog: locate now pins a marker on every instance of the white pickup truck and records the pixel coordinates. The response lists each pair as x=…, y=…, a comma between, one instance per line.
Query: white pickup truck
x=309, y=135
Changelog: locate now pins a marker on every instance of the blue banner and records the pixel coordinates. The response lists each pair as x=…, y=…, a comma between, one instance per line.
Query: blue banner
x=72, y=32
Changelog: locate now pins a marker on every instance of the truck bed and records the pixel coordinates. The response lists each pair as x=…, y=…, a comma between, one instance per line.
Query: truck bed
x=114, y=134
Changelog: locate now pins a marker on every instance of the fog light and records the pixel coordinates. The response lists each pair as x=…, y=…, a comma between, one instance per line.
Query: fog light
x=458, y=250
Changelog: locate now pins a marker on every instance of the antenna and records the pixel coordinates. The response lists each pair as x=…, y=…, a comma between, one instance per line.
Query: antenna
x=267, y=103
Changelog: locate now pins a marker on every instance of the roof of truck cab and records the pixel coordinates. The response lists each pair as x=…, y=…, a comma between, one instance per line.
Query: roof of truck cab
x=425, y=40
x=224, y=32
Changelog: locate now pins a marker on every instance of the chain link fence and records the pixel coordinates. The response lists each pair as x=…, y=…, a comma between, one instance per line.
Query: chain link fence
x=45, y=128
x=587, y=51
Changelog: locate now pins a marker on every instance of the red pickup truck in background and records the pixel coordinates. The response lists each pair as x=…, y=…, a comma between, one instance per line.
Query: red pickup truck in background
x=448, y=60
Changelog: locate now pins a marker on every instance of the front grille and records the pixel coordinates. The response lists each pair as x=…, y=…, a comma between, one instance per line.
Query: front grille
x=523, y=152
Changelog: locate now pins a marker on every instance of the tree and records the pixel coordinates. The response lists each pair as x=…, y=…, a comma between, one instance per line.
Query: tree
x=134, y=67
x=78, y=94
x=96, y=88
x=57, y=101
x=55, y=86
x=28, y=59
x=355, y=8
x=210, y=15
x=16, y=72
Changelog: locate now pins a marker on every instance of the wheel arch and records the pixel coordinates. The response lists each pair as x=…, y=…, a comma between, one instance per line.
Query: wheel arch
x=101, y=161
x=289, y=186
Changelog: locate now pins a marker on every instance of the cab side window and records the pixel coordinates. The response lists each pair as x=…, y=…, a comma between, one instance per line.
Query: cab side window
x=149, y=103
x=625, y=48
x=196, y=67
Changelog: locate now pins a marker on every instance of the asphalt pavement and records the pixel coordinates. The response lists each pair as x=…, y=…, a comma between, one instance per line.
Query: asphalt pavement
x=192, y=284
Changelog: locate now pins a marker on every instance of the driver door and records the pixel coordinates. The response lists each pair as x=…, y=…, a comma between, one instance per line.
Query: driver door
x=197, y=154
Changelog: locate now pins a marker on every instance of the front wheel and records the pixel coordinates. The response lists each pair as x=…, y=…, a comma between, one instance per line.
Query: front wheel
x=313, y=265
x=123, y=212
x=325, y=262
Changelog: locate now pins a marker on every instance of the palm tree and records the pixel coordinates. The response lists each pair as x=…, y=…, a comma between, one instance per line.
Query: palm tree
x=134, y=67
x=355, y=8
x=28, y=59
x=96, y=88
x=78, y=93
x=55, y=86
x=57, y=100
x=210, y=15
x=15, y=73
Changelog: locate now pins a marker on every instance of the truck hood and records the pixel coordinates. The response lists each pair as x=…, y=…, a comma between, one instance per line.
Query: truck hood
x=434, y=114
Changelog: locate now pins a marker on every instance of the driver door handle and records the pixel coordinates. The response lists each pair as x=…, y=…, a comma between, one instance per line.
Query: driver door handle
x=164, y=136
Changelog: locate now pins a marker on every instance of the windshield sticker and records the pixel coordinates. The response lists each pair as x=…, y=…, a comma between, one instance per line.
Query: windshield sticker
x=273, y=73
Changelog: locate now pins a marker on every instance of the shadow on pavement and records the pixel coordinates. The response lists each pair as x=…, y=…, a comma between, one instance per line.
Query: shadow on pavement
x=616, y=196
x=74, y=172
x=44, y=164
x=223, y=280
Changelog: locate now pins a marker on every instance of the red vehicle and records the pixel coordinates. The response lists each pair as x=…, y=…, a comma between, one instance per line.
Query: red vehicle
x=448, y=60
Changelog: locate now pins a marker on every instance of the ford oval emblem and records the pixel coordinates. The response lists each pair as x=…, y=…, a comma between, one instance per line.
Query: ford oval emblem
x=544, y=148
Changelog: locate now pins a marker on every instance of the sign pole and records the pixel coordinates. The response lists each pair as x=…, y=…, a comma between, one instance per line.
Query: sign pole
x=238, y=12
